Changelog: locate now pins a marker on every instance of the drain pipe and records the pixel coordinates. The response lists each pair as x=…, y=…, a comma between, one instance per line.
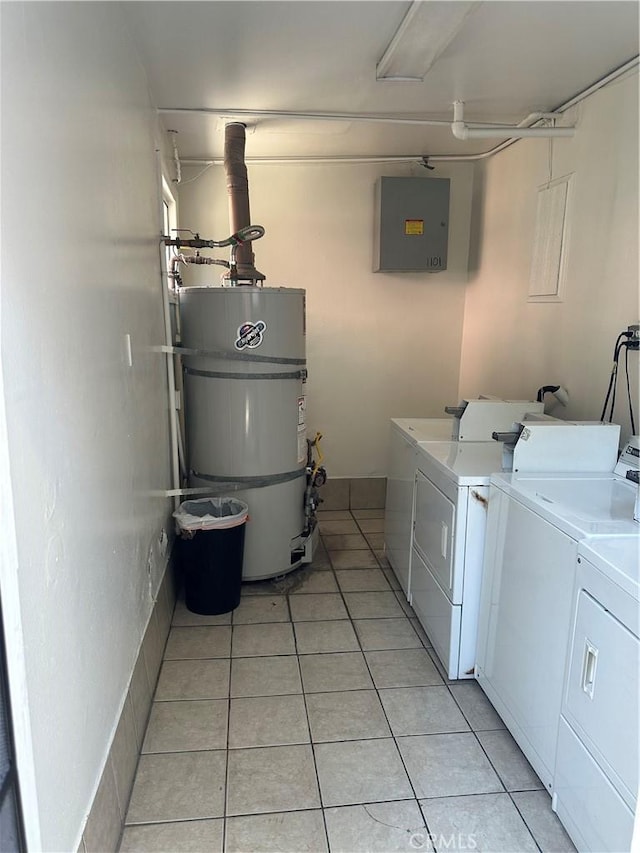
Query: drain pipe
x=242, y=269
x=464, y=131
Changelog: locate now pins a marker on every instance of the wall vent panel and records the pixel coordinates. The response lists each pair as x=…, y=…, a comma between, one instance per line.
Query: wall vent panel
x=545, y=279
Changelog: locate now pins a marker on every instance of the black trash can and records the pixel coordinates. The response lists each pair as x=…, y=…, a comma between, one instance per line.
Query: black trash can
x=211, y=551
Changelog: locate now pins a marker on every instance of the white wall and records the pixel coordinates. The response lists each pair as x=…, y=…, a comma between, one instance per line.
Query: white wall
x=511, y=346
x=87, y=435
x=379, y=345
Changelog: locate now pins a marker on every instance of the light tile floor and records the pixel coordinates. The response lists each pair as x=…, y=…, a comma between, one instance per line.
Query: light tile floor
x=317, y=718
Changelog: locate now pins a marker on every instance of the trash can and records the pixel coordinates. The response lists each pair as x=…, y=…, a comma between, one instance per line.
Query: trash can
x=211, y=551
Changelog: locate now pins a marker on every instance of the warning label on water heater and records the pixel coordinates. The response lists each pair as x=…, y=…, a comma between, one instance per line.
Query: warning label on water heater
x=302, y=429
x=250, y=335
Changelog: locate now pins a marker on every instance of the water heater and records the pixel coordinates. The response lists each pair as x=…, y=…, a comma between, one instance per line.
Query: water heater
x=244, y=374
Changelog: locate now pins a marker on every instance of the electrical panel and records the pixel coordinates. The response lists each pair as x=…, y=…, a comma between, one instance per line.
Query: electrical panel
x=412, y=225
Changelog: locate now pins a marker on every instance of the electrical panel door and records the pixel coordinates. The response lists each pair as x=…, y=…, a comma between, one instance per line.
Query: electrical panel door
x=412, y=224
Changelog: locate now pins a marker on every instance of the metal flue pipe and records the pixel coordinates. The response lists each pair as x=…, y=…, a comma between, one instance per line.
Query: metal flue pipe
x=244, y=271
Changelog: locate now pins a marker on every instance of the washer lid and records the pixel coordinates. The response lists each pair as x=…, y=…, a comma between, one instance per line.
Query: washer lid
x=618, y=557
x=581, y=505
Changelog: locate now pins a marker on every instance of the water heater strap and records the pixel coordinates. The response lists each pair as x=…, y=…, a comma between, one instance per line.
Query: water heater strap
x=217, y=374
x=260, y=482
x=236, y=356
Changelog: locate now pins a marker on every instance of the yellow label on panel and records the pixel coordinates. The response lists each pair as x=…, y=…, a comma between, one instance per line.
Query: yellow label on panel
x=414, y=226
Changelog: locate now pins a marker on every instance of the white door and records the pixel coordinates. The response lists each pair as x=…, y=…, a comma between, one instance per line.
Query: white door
x=602, y=691
x=435, y=523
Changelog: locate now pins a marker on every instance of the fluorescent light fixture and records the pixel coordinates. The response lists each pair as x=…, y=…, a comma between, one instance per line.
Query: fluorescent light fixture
x=426, y=30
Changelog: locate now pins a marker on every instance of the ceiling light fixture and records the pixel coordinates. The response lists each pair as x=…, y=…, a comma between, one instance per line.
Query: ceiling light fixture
x=426, y=31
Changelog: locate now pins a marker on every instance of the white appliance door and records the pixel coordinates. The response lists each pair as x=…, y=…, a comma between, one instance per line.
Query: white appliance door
x=525, y=614
x=602, y=692
x=438, y=616
x=592, y=811
x=434, y=532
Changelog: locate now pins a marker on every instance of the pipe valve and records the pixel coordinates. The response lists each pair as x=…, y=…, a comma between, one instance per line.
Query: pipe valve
x=243, y=235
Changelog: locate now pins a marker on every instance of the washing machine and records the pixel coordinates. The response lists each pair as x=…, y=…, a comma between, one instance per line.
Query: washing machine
x=535, y=523
x=596, y=770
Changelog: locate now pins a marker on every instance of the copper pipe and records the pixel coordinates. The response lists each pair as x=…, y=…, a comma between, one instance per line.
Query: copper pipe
x=238, y=189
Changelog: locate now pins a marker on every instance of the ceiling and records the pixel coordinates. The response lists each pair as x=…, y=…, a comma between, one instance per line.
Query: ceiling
x=507, y=60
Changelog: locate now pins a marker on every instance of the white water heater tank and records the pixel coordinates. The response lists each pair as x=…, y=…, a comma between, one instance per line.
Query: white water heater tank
x=245, y=412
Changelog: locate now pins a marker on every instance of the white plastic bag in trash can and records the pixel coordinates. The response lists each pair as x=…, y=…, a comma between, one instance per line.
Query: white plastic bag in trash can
x=211, y=514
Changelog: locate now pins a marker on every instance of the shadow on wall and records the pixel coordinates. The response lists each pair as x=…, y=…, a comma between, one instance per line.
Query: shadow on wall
x=477, y=220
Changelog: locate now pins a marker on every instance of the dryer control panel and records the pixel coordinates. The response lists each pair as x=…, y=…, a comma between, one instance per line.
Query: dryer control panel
x=629, y=461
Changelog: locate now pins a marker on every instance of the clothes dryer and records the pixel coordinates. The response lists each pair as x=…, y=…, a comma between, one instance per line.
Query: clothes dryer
x=398, y=513
x=451, y=499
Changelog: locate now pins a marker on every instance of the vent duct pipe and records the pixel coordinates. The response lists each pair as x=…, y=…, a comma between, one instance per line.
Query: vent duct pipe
x=243, y=271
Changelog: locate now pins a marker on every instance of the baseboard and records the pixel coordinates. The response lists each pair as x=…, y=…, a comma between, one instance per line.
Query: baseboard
x=105, y=822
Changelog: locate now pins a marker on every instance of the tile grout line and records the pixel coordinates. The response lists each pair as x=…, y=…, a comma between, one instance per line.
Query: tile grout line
x=225, y=806
x=375, y=686
x=522, y=817
x=447, y=683
x=395, y=738
x=312, y=745
x=415, y=797
x=359, y=641
x=506, y=791
x=362, y=652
